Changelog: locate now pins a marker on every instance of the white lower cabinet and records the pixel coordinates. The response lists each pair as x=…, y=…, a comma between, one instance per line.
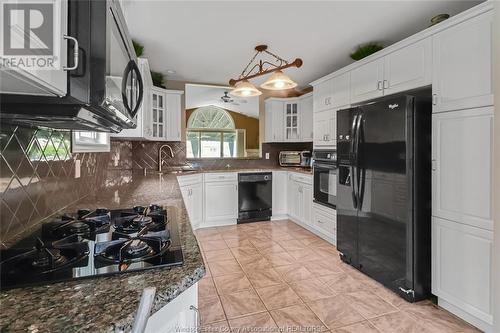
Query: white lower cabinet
x=178, y=316
x=279, y=205
x=300, y=197
x=461, y=271
x=324, y=222
x=220, y=198
x=192, y=193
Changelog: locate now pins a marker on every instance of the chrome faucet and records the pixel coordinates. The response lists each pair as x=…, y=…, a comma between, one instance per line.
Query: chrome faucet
x=160, y=159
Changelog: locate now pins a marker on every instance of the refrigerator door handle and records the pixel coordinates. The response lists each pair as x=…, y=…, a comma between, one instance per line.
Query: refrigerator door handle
x=354, y=159
x=360, y=176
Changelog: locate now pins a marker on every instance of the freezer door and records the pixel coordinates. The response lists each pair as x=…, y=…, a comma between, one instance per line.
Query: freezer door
x=347, y=223
x=385, y=202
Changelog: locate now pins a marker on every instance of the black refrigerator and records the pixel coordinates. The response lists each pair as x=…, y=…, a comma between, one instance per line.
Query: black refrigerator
x=384, y=191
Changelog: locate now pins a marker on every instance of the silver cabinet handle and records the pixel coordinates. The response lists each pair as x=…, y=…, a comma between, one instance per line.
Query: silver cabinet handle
x=379, y=85
x=434, y=165
x=434, y=99
x=386, y=84
x=75, y=53
x=198, y=317
x=319, y=221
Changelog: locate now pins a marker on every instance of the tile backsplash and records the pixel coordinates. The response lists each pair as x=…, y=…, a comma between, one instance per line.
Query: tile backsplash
x=37, y=171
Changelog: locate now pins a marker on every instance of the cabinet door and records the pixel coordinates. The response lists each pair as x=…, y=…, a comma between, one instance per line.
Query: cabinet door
x=462, y=57
x=292, y=121
x=158, y=119
x=306, y=118
x=331, y=137
x=42, y=82
x=366, y=81
x=462, y=148
x=269, y=135
x=196, y=202
x=341, y=94
x=325, y=128
x=173, y=116
x=408, y=68
x=278, y=121
x=221, y=201
x=322, y=95
x=293, y=193
x=279, y=193
x=320, y=124
x=306, y=199
x=179, y=315
x=461, y=267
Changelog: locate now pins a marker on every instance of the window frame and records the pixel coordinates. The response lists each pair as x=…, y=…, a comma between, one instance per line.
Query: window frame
x=211, y=130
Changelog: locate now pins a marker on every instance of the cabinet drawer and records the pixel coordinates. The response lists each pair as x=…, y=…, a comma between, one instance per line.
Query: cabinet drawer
x=189, y=179
x=306, y=179
x=221, y=177
x=324, y=221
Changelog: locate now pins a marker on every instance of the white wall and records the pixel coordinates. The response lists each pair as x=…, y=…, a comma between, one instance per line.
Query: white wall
x=496, y=194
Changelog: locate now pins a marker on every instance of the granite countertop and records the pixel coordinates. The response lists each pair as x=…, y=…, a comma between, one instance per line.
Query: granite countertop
x=306, y=171
x=107, y=304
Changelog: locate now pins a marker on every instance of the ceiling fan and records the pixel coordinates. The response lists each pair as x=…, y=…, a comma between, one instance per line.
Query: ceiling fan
x=226, y=98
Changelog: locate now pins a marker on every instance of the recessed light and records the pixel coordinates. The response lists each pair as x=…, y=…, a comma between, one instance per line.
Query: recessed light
x=170, y=71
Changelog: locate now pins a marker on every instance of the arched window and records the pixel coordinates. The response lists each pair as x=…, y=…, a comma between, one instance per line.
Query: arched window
x=211, y=133
x=211, y=117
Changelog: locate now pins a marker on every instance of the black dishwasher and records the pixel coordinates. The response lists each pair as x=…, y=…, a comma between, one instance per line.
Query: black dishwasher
x=255, y=196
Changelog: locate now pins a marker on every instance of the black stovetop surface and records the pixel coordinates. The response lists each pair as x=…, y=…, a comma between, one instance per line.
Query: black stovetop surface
x=93, y=243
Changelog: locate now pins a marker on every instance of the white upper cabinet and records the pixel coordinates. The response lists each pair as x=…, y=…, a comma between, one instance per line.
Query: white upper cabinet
x=306, y=117
x=173, y=115
x=43, y=82
x=462, y=166
x=408, y=68
x=322, y=95
x=289, y=119
x=462, y=56
x=274, y=120
x=367, y=80
x=292, y=121
x=341, y=90
x=325, y=129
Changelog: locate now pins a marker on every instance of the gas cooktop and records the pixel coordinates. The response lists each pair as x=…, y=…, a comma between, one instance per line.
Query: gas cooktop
x=93, y=243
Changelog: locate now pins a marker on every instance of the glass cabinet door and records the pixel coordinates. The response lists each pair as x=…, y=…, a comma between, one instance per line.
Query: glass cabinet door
x=158, y=119
x=291, y=121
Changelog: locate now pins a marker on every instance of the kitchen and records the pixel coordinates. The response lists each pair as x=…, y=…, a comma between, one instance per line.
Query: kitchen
x=148, y=186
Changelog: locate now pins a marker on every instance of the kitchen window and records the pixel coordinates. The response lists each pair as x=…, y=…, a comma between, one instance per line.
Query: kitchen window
x=211, y=133
x=83, y=142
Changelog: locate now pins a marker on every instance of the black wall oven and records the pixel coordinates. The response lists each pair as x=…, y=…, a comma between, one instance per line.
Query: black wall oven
x=325, y=177
x=105, y=87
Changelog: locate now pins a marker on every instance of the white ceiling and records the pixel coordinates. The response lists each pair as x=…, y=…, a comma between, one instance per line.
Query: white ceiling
x=203, y=95
x=211, y=41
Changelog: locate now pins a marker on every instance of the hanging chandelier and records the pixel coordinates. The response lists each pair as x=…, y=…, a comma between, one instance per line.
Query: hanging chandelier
x=277, y=81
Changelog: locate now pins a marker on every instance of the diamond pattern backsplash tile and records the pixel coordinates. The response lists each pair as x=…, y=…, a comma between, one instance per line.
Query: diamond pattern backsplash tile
x=37, y=176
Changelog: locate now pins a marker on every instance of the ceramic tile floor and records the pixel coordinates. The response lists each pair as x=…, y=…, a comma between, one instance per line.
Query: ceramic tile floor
x=277, y=276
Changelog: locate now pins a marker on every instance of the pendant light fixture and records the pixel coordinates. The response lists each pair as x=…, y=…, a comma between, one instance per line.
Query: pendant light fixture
x=245, y=89
x=277, y=81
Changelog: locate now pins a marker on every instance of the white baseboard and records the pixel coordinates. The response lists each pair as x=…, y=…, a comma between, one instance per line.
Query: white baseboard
x=474, y=321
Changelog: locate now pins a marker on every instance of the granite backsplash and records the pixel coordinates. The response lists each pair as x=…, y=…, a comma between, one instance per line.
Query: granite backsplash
x=37, y=171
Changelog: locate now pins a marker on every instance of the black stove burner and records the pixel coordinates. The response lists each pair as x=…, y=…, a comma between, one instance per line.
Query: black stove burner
x=129, y=222
x=128, y=249
x=44, y=258
x=91, y=243
x=85, y=225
